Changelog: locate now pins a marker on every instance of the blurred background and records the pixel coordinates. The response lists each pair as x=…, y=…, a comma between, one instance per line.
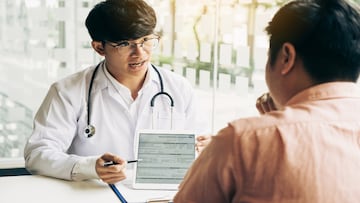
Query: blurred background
x=219, y=45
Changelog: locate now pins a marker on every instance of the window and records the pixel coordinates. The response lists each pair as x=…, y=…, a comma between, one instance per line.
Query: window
x=220, y=49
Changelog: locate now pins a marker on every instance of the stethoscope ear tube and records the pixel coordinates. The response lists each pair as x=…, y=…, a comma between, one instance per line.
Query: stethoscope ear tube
x=171, y=107
x=160, y=93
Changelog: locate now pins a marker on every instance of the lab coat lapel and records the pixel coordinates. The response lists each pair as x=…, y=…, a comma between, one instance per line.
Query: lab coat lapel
x=100, y=81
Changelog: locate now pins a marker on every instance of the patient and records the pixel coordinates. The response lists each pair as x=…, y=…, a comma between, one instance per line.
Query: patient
x=305, y=147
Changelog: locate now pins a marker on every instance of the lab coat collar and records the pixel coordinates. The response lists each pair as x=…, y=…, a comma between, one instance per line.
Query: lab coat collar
x=100, y=81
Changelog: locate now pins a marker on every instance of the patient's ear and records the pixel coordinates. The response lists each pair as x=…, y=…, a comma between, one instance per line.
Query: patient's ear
x=288, y=56
x=98, y=47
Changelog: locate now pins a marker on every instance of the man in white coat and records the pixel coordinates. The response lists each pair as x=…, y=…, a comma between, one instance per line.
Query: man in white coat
x=92, y=116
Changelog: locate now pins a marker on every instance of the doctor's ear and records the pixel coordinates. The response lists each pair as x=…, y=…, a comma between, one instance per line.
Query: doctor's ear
x=98, y=47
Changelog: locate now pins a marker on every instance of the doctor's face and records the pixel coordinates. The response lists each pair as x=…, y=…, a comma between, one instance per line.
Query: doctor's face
x=129, y=57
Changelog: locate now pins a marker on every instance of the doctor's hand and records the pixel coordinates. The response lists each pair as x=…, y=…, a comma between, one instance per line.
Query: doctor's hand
x=202, y=142
x=113, y=173
x=265, y=104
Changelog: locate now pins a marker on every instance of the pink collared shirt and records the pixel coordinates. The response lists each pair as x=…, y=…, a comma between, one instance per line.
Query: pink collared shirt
x=308, y=152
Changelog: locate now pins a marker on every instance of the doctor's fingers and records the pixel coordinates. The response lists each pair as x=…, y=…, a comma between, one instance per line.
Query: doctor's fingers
x=101, y=169
x=111, y=174
x=203, y=137
x=114, y=168
x=112, y=178
x=203, y=141
x=111, y=157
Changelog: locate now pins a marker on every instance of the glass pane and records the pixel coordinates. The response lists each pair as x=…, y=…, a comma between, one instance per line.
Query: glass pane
x=232, y=31
x=42, y=41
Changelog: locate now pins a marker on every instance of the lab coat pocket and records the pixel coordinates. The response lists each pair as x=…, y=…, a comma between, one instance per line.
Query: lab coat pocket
x=167, y=121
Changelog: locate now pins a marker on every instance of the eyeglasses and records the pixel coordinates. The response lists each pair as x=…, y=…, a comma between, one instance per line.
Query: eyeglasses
x=148, y=44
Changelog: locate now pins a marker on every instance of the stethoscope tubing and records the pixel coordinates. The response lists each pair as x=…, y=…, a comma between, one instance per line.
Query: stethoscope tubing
x=89, y=93
x=90, y=129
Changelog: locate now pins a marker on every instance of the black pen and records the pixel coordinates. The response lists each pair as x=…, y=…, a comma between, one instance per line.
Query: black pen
x=110, y=163
x=133, y=161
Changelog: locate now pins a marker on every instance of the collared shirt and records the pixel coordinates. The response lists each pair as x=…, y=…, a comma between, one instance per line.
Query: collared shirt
x=307, y=152
x=132, y=105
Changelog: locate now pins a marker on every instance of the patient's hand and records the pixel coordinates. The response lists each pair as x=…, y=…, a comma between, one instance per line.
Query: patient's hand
x=265, y=104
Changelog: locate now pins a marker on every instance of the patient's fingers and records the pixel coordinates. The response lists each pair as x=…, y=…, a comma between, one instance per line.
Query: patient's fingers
x=265, y=104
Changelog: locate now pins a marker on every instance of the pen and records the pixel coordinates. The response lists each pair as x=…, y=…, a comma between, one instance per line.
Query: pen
x=133, y=161
x=110, y=163
x=118, y=194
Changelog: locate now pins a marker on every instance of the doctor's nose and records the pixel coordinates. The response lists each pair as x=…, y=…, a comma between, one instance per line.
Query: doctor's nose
x=137, y=49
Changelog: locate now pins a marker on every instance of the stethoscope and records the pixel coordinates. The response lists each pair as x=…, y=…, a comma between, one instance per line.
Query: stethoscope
x=89, y=131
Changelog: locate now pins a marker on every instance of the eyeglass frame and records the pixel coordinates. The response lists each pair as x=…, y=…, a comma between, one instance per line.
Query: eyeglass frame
x=131, y=44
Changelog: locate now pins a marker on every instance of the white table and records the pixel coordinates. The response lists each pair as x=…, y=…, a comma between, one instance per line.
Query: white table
x=40, y=189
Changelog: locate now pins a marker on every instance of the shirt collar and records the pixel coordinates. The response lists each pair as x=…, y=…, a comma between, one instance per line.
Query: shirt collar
x=122, y=88
x=326, y=91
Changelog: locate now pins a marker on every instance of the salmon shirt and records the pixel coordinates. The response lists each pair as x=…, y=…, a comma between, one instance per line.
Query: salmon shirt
x=307, y=152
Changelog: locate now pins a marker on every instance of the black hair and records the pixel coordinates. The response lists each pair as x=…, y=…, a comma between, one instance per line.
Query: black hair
x=326, y=36
x=116, y=20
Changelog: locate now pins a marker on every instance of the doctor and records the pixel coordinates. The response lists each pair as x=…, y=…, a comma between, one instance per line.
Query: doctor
x=92, y=116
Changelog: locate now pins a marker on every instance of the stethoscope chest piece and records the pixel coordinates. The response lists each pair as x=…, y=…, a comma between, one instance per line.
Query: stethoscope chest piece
x=89, y=131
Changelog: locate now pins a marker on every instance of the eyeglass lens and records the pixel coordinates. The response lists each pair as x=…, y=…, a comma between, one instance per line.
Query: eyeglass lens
x=147, y=44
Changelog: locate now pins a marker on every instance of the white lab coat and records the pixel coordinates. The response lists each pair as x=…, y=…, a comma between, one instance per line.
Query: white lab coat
x=58, y=139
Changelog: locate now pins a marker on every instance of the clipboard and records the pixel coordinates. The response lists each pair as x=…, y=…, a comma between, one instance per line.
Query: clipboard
x=165, y=156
